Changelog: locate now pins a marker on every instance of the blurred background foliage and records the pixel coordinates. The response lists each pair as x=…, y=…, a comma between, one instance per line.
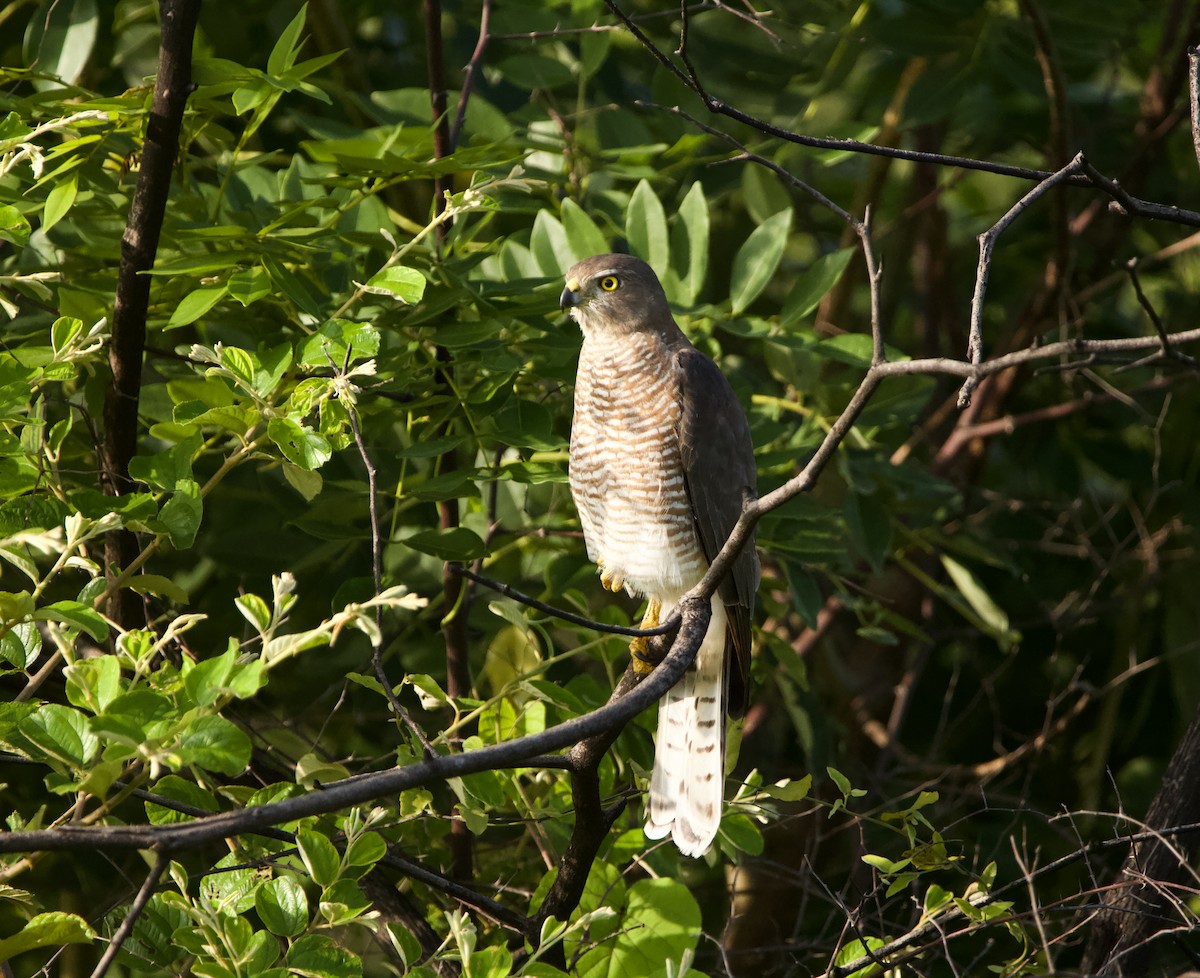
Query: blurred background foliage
x=996, y=606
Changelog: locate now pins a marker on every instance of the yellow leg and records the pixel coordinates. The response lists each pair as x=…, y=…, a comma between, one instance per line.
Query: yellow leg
x=638, y=647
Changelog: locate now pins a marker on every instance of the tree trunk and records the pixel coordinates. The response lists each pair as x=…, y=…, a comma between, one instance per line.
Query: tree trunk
x=1141, y=902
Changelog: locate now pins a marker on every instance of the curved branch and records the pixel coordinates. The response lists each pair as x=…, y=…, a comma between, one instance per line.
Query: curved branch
x=369, y=787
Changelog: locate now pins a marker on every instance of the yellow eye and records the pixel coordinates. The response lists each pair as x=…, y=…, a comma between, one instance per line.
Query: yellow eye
x=610, y=283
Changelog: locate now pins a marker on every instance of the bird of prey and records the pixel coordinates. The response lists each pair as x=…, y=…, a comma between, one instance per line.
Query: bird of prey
x=661, y=465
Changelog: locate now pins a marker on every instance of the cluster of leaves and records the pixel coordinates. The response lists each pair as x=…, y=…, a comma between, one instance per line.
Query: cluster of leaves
x=310, y=289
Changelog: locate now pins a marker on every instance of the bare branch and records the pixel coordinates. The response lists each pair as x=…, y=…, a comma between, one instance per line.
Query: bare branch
x=1132, y=205
x=161, y=861
x=468, y=85
x=987, y=242
x=1155, y=321
x=377, y=574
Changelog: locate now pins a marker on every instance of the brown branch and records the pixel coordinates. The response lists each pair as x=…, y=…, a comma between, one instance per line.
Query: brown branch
x=161, y=861
x=987, y=242
x=1152, y=313
x=592, y=820
x=468, y=85
x=435, y=881
x=139, y=245
x=1131, y=204
x=359, y=789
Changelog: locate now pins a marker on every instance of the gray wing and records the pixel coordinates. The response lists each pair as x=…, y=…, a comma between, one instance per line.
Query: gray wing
x=718, y=468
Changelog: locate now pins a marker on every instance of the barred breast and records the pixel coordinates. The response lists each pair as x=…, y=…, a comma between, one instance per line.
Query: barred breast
x=625, y=470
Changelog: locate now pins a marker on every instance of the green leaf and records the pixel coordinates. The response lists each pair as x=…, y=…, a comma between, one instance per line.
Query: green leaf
x=299, y=444
x=180, y=515
x=282, y=906
x=550, y=245
x=739, y=834
x=195, y=304
x=757, y=259
x=646, y=229
x=366, y=850
x=93, y=683
x=79, y=615
x=660, y=922
x=215, y=744
x=47, y=930
x=283, y=54
x=248, y=285
x=855, y=349
x=869, y=526
x=990, y=613
x=59, y=201
x=535, y=71
x=175, y=788
x=856, y=949
x=205, y=681
x=794, y=790
x=13, y=226
x=342, y=902
x=20, y=645
x=689, y=243
x=458, y=543
x=159, y=586
x=490, y=962
x=61, y=39
x=64, y=331
x=318, y=956
x=293, y=287
x=60, y=733
x=814, y=284
x=583, y=236
x=255, y=610
x=327, y=346
x=167, y=469
x=319, y=855
x=406, y=284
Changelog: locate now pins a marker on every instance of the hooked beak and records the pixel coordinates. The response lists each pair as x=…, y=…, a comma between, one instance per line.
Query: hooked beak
x=570, y=298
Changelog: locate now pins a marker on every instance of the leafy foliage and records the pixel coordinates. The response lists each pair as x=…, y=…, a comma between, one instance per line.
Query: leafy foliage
x=997, y=603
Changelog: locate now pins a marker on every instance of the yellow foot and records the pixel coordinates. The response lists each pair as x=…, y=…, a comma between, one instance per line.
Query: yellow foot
x=610, y=580
x=643, y=665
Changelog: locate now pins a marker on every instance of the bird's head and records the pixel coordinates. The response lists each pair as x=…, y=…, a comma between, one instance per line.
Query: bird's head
x=615, y=293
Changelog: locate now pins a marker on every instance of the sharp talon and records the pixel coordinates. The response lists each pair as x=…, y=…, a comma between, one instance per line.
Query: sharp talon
x=642, y=663
x=613, y=582
x=639, y=648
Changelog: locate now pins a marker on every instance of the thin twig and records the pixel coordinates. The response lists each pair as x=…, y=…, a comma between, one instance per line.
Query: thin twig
x=548, y=609
x=468, y=85
x=987, y=242
x=1155, y=320
x=1132, y=205
x=377, y=575
x=436, y=881
x=161, y=861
